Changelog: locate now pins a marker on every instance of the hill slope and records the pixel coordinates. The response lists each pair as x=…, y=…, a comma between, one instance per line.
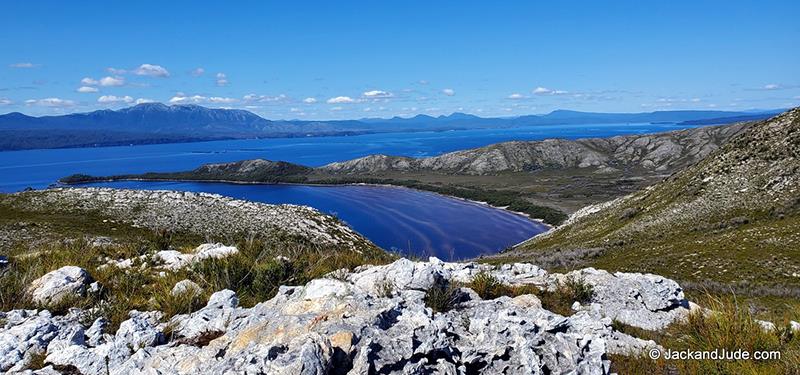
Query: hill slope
x=656, y=152
x=732, y=218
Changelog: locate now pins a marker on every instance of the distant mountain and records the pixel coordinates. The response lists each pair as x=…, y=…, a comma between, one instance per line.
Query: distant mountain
x=157, y=123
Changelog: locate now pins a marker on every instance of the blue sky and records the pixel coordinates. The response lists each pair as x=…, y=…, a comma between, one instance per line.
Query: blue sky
x=325, y=60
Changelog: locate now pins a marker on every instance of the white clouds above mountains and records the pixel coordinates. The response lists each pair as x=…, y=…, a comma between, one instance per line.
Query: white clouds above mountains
x=112, y=81
x=181, y=98
x=377, y=94
x=87, y=89
x=51, y=102
x=253, y=98
x=341, y=100
x=89, y=81
x=112, y=99
x=545, y=91
x=151, y=70
x=105, y=81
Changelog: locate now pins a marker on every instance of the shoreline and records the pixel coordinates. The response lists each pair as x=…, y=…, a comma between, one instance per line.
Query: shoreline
x=549, y=227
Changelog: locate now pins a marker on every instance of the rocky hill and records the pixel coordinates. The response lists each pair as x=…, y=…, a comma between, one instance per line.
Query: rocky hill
x=731, y=218
x=199, y=214
x=660, y=152
x=376, y=319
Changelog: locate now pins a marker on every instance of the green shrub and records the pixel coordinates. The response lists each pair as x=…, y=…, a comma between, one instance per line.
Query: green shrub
x=561, y=298
x=487, y=286
x=442, y=297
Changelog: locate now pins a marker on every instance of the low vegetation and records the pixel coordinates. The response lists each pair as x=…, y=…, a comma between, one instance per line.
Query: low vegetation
x=731, y=327
x=445, y=297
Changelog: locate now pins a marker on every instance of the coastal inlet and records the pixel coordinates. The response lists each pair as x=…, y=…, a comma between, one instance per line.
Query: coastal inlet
x=402, y=220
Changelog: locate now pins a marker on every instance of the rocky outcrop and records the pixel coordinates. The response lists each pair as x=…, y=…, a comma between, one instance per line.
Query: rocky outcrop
x=174, y=260
x=200, y=213
x=371, y=320
x=660, y=152
x=55, y=286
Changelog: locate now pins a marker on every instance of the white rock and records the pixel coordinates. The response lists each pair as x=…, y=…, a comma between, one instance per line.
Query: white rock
x=186, y=286
x=214, y=250
x=56, y=285
x=140, y=330
x=174, y=260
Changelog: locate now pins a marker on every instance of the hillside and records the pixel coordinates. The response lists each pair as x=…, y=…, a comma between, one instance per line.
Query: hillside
x=729, y=221
x=158, y=123
x=661, y=152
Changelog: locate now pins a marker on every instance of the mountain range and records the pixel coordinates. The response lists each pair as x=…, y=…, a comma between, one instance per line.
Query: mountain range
x=159, y=123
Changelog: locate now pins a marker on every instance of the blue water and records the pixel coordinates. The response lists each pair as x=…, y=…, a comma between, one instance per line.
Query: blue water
x=394, y=218
x=39, y=168
x=397, y=219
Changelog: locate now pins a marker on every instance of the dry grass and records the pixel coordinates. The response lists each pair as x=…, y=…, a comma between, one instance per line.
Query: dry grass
x=732, y=327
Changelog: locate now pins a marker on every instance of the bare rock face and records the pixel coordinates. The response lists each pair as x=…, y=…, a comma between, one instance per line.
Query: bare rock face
x=65, y=282
x=371, y=320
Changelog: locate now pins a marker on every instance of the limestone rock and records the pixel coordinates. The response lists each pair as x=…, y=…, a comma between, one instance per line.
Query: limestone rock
x=56, y=285
x=343, y=324
x=186, y=286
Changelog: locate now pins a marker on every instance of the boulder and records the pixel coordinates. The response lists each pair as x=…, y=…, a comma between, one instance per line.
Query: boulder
x=53, y=287
x=186, y=287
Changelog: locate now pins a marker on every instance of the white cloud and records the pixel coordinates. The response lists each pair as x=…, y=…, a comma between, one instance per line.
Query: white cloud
x=341, y=99
x=151, y=70
x=516, y=96
x=112, y=81
x=253, y=98
x=449, y=92
x=24, y=65
x=181, y=98
x=51, y=102
x=222, y=79
x=772, y=86
x=4, y=101
x=113, y=99
x=422, y=82
x=218, y=99
x=309, y=100
x=144, y=100
x=197, y=72
x=85, y=89
x=545, y=91
x=376, y=94
x=89, y=82
x=336, y=108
